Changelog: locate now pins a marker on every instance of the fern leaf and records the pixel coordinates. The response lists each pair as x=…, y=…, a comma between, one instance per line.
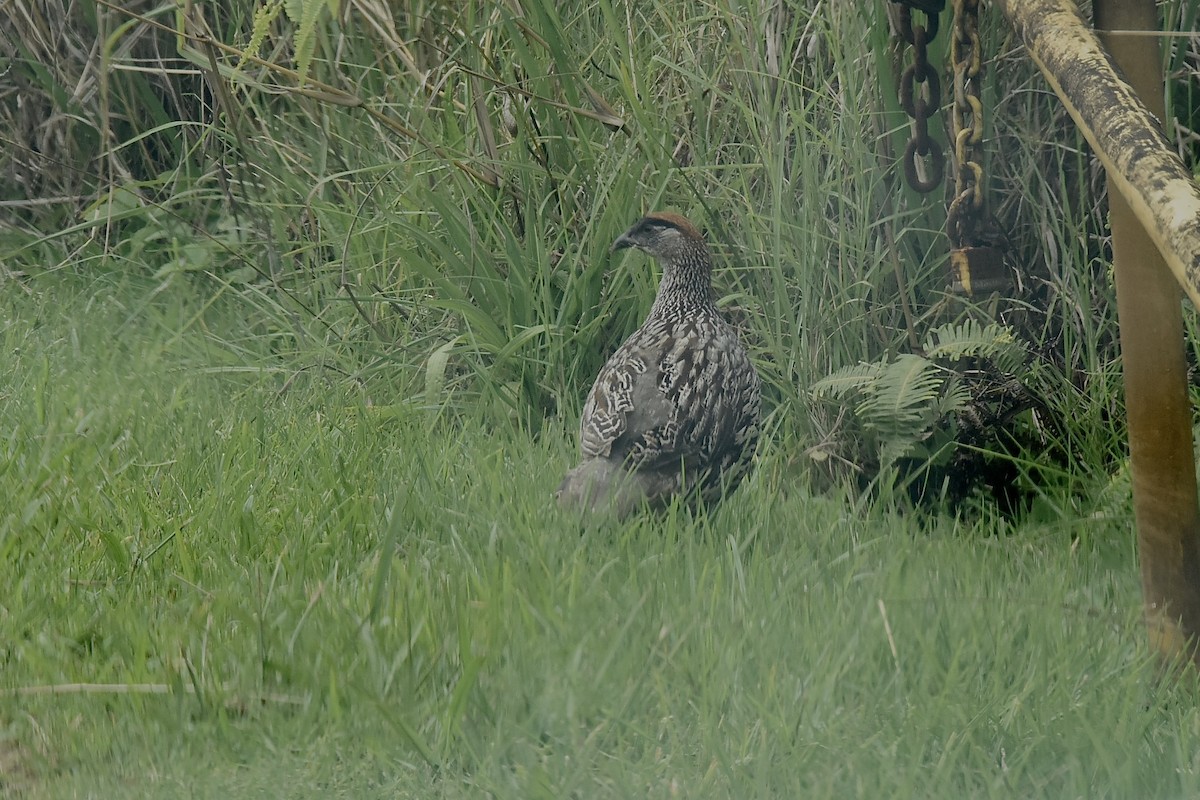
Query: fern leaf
x=993, y=342
x=955, y=397
x=855, y=377
x=893, y=449
x=903, y=395
x=305, y=13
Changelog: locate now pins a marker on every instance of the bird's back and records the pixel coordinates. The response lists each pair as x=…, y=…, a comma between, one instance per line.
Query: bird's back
x=675, y=408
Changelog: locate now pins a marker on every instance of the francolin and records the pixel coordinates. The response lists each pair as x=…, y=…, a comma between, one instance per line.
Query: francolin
x=675, y=411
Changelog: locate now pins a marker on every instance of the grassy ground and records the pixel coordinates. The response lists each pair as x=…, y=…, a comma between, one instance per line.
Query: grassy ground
x=294, y=372
x=331, y=595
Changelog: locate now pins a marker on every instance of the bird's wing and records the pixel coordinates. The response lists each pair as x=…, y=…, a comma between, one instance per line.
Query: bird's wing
x=622, y=397
x=663, y=400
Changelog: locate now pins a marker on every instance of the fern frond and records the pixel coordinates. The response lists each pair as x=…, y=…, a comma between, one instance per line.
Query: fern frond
x=306, y=13
x=955, y=397
x=903, y=395
x=893, y=449
x=853, y=378
x=994, y=342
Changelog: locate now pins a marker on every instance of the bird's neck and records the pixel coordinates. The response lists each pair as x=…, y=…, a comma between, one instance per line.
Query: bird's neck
x=686, y=283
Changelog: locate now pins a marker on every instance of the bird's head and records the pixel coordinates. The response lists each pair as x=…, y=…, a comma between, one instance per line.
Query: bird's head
x=666, y=236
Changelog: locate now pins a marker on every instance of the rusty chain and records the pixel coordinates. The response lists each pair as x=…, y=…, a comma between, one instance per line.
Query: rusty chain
x=977, y=267
x=967, y=208
x=923, y=104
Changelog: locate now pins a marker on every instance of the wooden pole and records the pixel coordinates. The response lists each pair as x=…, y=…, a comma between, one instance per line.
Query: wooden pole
x=1155, y=216
x=1156, y=392
x=1125, y=136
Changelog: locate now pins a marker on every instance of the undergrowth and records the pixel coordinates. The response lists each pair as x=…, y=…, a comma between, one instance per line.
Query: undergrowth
x=431, y=194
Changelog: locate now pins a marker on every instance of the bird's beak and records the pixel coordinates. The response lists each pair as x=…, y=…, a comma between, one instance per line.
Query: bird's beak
x=621, y=243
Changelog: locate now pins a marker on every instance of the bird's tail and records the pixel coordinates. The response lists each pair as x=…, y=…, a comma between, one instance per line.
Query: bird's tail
x=599, y=485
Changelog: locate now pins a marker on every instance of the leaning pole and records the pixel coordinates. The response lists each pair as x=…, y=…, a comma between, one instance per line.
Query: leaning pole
x=1155, y=216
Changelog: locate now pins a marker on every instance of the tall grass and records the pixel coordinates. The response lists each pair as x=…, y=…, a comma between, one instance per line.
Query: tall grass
x=453, y=228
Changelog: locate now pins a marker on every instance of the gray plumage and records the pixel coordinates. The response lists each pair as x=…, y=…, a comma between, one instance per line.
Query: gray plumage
x=676, y=408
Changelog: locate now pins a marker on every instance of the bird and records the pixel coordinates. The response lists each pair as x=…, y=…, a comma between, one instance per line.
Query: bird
x=676, y=409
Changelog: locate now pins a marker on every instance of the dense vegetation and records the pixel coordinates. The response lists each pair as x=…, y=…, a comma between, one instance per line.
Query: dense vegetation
x=302, y=310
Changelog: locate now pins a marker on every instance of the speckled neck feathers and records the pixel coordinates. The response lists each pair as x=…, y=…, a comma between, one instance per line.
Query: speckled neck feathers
x=686, y=278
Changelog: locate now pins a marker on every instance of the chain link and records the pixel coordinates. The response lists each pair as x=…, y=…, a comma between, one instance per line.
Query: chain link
x=967, y=208
x=922, y=149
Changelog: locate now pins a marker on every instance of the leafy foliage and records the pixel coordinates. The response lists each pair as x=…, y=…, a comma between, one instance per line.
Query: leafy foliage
x=971, y=338
x=921, y=410
x=899, y=400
